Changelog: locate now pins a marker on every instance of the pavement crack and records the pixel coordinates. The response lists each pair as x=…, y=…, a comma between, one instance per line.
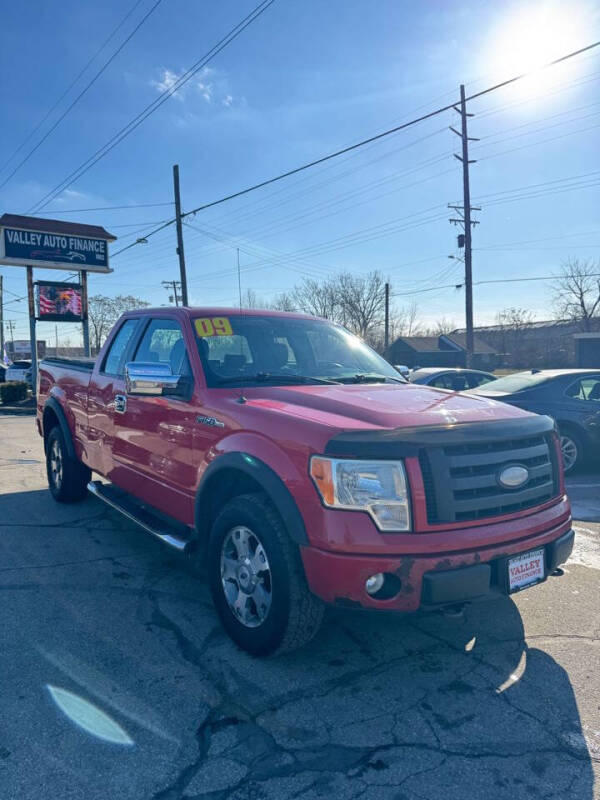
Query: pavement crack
x=59, y=564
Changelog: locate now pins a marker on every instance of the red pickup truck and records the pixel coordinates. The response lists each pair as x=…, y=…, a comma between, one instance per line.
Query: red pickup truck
x=302, y=469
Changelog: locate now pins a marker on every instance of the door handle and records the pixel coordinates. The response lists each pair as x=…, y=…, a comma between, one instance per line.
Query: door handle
x=120, y=404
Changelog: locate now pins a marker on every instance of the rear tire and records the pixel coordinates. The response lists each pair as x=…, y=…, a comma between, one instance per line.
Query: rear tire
x=257, y=579
x=67, y=477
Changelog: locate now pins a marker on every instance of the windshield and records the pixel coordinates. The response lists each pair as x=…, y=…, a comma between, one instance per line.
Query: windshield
x=516, y=383
x=246, y=350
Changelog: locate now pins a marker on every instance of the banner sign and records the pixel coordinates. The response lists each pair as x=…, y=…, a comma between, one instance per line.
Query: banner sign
x=58, y=302
x=30, y=247
x=21, y=349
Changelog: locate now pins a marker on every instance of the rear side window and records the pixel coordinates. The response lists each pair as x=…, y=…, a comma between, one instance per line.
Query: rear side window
x=115, y=358
x=585, y=389
x=442, y=382
x=475, y=380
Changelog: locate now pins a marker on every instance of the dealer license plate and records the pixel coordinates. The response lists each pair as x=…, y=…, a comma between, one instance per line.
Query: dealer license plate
x=525, y=570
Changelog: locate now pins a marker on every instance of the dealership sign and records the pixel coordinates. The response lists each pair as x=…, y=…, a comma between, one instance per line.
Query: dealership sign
x=53, y=244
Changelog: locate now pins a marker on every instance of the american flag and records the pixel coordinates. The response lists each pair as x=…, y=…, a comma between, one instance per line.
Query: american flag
x=47, y=306
x=4, y=359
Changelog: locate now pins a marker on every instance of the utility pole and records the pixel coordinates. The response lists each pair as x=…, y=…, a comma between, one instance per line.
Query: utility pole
x=56, y=340
x=386, y=338
x=1, y=319
x=180, y=252
x=465, y=221
x=11, y=327
x=175, y=286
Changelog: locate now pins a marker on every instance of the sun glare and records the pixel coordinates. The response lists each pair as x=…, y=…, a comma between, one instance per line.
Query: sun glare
x=532, y=37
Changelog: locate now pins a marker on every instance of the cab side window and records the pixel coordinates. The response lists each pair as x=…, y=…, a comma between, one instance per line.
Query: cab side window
x=163, y=343
x=114, y=362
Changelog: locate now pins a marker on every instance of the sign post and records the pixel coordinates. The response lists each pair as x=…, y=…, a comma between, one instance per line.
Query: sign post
x=85, y=322
x=53, y=244
x=31, y=302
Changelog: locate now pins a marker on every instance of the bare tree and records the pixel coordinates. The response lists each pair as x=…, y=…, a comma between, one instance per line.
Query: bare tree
x=320, y=299
x=283, y=302
x=514, y=319
x=444, y=326
x=511, y=339
x=404, y=321
x=361, y=301
x=250, y=299
x=105, y=311
x=577, y=291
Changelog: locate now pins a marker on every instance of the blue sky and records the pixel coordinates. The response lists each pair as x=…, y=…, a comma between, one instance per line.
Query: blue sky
x=307, y=78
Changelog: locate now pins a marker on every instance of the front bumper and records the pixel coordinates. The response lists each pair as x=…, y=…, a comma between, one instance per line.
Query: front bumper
x=426, y=581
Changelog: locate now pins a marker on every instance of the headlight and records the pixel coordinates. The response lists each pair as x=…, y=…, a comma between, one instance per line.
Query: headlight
x=378, y=487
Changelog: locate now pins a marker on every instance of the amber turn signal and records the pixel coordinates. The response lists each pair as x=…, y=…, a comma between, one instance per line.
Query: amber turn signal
x=320, y=472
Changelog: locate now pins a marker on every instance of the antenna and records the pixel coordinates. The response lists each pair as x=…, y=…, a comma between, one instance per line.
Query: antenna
x=241, y=399
x=239, y=278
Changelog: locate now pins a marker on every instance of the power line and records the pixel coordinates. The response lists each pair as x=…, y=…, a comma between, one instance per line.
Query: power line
x=481, y=283
x=152, y=107
x=88, y=86
x=364, y=142
x=70, y=86
x=104, y=208
x=556, y=61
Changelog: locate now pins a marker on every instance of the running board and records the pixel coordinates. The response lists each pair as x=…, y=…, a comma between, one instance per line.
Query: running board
x=141, y=515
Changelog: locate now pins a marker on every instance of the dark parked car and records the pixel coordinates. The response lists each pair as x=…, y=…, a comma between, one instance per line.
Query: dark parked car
x=456, y=379
x=570, y=396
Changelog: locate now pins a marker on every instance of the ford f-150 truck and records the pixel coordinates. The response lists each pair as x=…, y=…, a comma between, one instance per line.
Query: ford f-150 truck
x=302, y=469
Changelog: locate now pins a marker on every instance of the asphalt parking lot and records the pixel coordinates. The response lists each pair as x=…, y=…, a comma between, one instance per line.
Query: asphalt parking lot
x=118, y=682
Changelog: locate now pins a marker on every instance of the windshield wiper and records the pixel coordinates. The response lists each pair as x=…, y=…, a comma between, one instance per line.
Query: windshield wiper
x=371, y=378
x=269, y=377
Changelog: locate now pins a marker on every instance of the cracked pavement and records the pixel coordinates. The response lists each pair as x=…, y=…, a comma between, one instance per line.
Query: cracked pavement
x=117, y=680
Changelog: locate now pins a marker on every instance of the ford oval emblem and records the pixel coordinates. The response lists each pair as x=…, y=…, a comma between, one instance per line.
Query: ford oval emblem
x=513, y=477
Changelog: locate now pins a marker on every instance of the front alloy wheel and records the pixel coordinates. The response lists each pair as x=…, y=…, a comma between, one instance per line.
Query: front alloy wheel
x=570, y=451
x=257, y=579
x=246, y=576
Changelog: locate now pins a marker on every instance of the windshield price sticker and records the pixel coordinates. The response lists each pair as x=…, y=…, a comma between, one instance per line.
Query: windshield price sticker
x=213, y=326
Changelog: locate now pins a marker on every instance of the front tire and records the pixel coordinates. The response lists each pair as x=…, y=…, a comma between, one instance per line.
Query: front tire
x=67, y=477
x=257, y=580
x=571, y=448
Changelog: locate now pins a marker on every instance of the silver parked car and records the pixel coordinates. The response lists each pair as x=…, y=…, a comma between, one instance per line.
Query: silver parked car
x=455, y=379
x=19, y=371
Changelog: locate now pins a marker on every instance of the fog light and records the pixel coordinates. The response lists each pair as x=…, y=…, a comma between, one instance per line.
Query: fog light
x=374, y=583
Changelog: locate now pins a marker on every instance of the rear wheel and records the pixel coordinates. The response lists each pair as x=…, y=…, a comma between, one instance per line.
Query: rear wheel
x=257, y=580
x=67, y=477
x=571, y=448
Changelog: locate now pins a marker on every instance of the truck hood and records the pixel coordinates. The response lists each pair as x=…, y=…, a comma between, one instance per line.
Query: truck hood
x=377, y=405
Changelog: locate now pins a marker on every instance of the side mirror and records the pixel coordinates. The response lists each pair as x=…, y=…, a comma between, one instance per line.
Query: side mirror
x=150, y=378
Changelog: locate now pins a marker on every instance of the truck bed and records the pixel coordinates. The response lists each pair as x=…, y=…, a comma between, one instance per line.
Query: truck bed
x=83, y=364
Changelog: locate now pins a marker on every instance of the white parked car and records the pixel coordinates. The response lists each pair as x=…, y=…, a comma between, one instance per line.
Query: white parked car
x=19, y=371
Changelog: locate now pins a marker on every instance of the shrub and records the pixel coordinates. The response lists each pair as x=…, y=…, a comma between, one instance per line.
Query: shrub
x=13, y=391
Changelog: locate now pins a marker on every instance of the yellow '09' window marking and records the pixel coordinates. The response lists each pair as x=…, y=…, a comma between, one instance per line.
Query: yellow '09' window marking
x=213, y=326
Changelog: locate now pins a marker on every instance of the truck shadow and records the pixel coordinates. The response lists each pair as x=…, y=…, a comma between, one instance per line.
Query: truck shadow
x=468, y=707
x=378, y=706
